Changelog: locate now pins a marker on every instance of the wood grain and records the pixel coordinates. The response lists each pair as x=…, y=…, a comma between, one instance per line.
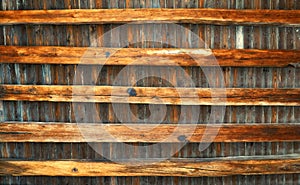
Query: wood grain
x=146, y=133
x=152, y=95
x=111, y=16
x=149, y=56
x=225, y=166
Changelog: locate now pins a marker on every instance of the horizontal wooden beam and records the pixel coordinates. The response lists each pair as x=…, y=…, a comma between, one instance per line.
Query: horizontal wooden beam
x=195, y=16
x=147, y=133
x=173, y=167
x=152, y=95
x=149, y=56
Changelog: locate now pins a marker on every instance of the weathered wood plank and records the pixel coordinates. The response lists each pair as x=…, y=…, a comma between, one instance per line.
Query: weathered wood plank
x=152, y=95
x=146, y=133
x=1, y=112
x=195, y=16
x=149, y=56
x=225, y=166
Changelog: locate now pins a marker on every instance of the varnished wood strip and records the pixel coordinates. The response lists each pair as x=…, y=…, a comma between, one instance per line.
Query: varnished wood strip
x=146, y=133
x=225, y=166
x=149, y=56
x=195, y=16
x=151, y=95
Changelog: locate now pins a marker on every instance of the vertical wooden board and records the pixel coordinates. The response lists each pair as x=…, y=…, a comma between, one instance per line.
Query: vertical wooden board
x=57, y=76
x=72, y=40
x=113, y=70
x=1, y=71
x=132, y=113
x=185, y=40
x=146, y=41
x=2, y=36
x=1, y=112
x=79, y=150
x=97, y=37
x=138, y=37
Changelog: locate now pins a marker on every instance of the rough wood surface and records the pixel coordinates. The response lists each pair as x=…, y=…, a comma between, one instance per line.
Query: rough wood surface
x=146, y=133
x=1, y=112
x=195, y=16
x=174, y=167
x=226, y=37
x=149, y=56
x=153, y=95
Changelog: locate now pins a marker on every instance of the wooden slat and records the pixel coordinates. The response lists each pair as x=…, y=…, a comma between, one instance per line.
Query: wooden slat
x=1, y=112
x=195, y=16
x=152, y=95
x=149, y=56
x=146, y=133
x=174, y=167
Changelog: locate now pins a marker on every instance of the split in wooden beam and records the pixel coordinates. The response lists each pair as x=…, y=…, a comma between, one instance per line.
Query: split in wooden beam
x=149, y=56
x=146, y=133
x=152, y=95
x=111, y=16
x=224, y=166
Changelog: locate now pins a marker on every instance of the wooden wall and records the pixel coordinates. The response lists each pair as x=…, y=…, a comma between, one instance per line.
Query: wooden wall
x=265, y=37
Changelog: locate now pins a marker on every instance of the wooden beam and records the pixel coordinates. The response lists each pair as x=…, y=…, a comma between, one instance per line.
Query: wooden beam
x=149, y=56
x=195, y=16
x=152, y=95
x=146, y=133
x=224, y=166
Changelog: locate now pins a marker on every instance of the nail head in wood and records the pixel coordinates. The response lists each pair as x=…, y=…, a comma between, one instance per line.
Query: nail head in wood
x=131, y=92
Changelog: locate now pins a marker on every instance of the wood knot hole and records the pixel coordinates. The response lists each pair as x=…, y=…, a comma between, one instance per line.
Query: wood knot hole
x=74, y=170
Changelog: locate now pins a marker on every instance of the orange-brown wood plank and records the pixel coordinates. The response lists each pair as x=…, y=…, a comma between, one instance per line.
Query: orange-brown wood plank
x=195, y=16
x=149, y=56
x=152, y=95
x=225, y=166
x=146, y=133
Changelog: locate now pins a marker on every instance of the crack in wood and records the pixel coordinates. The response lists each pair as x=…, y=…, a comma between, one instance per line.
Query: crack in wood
x=14, y=133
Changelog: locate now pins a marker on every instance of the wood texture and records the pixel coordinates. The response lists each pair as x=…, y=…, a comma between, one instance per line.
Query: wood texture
x=174, y=167
x=195, y=16
x=257, y=37
x=153, y=95
x=146, y=133
x=1, y=112
x=149, y=56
